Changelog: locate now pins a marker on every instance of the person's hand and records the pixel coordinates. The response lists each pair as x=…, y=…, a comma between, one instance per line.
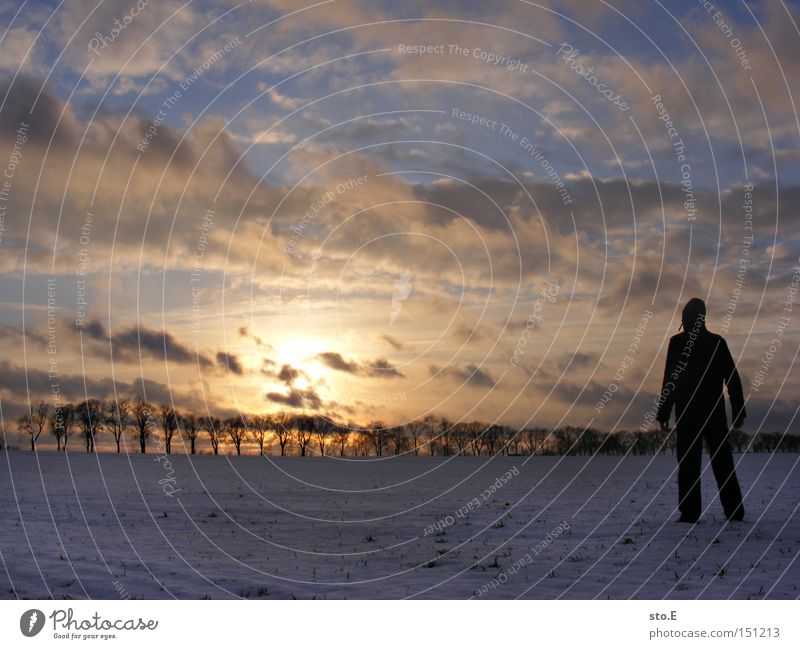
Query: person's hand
x=738, y=423
x=664, y=426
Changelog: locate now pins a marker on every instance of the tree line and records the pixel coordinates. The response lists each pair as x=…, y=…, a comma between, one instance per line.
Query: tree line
x=302, y=434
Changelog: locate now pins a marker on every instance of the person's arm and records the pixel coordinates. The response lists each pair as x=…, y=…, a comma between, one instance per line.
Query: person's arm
x=667, y=388
x=734, y=384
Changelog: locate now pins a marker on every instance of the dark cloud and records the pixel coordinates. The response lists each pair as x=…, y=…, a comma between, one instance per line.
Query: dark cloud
x=649, y=285
x=46, y=120
x=472, y=334
x=286, y=374
x=231, y=361
x=394, y=342
x=75, y=387
x=577, y=360
x=307, y=399
x=245, y=332
x=469, y=374
x=590, y=394
x=72, y=387
x=335, y=361
x=382, y=128
x=380, y=367
x=151, y=391
x=289, y=374
x=133, y=343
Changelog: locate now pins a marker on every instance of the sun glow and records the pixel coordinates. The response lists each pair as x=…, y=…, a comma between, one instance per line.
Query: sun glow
x=300, y=353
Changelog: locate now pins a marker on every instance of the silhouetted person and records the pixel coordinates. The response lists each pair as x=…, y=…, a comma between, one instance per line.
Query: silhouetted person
x=698, y=363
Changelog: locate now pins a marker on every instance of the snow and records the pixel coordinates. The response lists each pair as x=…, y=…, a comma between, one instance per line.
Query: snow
x=108, y=526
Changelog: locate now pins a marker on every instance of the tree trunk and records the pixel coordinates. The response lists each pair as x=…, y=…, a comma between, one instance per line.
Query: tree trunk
x=192, y=441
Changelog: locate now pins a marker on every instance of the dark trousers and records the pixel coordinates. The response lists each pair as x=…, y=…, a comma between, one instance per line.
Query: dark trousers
x=689, y=448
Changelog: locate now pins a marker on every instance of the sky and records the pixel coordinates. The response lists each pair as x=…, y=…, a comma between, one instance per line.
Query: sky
x=377, y=211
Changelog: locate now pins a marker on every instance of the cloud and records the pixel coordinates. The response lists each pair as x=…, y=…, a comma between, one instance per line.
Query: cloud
x=335, y=361
x=20, y=381
x=289, y=374
x=590, y=394
x=307, y=399
x=231, y=361
x=133, y=343
x=245, y=332
x=76, y=387
x=379, y=367
x=470, y=374
x=20, y=50
x=577, y=360
x=394, y=342
x=286, y=374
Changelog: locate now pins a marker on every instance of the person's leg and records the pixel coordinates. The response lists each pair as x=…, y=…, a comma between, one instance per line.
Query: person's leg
x=725, y=473
x=689, y=449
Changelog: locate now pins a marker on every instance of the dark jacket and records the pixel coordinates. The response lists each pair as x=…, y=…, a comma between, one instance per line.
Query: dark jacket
x=697, y=366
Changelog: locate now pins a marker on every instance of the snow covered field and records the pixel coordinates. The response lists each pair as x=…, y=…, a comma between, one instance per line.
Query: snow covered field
x=106, y=526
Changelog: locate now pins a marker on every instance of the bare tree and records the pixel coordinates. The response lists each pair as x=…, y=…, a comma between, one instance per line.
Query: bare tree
x=565, y=439
x=117, y=418
x=342, y=434
x=303, y=428
x=506, y=434
x=398, y=440
x=514, y=438
x=90, y=419
x=62, y=424
x=738, y=439
x=260, y=427
x=168, y=419
x=283, y=430
x=213, y=427
x=190, y=423
x=236, y=429
x=445, y=432
x=33, y=422
x=626, y=439
x=529, y=440
x=376, y=431
x=142, y=415
x=362, y=442
x=535, y=439
x=461, y=437
x=416, y=428
x=430, y=431
x=322, y=431
x=476, y=432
